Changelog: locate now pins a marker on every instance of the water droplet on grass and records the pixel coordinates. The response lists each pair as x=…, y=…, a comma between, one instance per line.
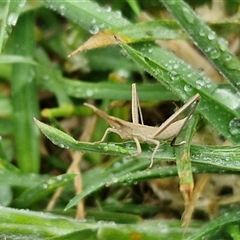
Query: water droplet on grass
x=118, y=14
x=21, y=3
x=12, y=19
x=214, y=54
x=108, y=8
x=211, y=36
x=94, y=29
x=62, y=9
x=234, y=126
x=188, y=15
x=174, y=75
x=188, y=88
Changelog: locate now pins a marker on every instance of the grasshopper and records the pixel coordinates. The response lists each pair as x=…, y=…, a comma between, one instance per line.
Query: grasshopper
x=139, y=132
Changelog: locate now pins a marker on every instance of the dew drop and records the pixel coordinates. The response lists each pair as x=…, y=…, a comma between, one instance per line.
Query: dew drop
x=98, y=9
x=45, y=185
x=62, y=9
x=234, y=126
x=174, y=75
x=94, y=29
x=114, y=180
x=231, y=63
x=21, y=3
x=202, y=33
x=12, y=19
x=188, y=15
x=175, y=66
x=150, y=50
x=105, y=148
x=158, y=72
x=200, y=83
x=187, y=88
x=117, y=14
x=214, y=54
x=89, y=93
x=211, y=36
x=61, y=145
x=108, y=8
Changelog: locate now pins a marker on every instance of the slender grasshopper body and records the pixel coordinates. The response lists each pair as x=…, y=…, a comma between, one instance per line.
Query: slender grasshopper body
x=143, y=133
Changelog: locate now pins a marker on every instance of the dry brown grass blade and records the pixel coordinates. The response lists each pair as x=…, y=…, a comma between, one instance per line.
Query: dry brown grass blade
x=75, y=168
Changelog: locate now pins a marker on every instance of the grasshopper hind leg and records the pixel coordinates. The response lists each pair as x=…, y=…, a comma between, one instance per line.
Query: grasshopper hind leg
x=139, y=149
x=155, y=142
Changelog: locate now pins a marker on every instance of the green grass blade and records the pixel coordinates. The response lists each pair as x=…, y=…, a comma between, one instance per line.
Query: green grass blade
x=24, y=97
x=223, y=157
x=134, y=6
x=25, y=224
x=9, y=11
x=16, y=179
x=214, y=47
x=149, y=31
x=183, y=158
x=88, y=14
x=220, y=223
x=116, y=91
x=63, y=140
x=6, y=59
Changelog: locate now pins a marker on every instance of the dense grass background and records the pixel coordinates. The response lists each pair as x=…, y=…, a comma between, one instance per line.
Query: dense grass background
x=172, y=50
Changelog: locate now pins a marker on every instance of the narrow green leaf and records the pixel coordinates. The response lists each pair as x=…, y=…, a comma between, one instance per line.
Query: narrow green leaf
x=217, y=225
x=10, y=11
x=25, y=224
x=24, y=97
x=223, y=157
x=86, y=234
x=88, y=14
x=135, y=6
x=116, y=91
x=6, y=59
x=63, y=140
x=183, y=159
x=149, y=31
x=16, y=179
x=214, y=47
